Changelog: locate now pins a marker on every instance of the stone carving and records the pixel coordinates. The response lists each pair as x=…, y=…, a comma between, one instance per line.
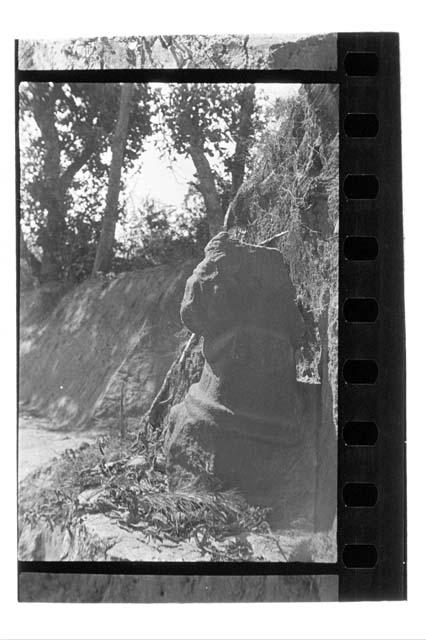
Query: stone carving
x=247, y=424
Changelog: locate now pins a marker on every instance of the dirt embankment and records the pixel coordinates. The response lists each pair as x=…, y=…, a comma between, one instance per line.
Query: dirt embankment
x=85, y=351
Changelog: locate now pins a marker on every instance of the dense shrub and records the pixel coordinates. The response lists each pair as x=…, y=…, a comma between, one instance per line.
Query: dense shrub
x=159, y=234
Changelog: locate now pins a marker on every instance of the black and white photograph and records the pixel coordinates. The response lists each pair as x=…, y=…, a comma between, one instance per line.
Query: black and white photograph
x=178, y=311
x=211, y=237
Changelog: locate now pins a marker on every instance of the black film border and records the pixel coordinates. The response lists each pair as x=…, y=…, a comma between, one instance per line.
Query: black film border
x=383, y=525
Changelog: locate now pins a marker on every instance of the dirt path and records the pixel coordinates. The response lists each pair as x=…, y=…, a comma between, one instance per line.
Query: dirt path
x=38, y=443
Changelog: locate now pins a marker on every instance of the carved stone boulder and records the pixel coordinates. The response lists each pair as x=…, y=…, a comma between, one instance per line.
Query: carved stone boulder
x=248, y=423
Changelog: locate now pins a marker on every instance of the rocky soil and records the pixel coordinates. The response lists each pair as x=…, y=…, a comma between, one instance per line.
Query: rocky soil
x=98, y=537
x=99, y=503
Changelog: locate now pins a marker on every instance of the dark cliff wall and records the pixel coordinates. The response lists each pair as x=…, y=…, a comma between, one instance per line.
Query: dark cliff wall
x=293, y=194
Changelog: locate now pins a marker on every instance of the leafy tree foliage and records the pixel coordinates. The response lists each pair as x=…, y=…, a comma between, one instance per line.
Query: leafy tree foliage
x=158, y=234
x=105, y=250
x=75, y=123
x=67, y=149
x=182, y=51
x=214, y=124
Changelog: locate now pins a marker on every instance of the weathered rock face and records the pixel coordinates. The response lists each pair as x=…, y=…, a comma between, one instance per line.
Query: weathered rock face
x=247, y=424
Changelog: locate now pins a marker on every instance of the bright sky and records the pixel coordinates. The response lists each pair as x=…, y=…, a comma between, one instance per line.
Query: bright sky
x=153, y=178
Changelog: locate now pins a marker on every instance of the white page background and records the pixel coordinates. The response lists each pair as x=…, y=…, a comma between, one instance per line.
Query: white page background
x=25, y=19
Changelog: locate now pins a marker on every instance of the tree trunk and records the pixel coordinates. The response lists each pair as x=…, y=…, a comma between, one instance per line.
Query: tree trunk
x=239, y=160
x=104, y=253
x=242, y=146
x=52, y=198
x=27, y=256
x=215, y=214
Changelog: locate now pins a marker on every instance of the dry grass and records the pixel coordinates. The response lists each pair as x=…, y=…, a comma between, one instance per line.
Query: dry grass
x=125, y=479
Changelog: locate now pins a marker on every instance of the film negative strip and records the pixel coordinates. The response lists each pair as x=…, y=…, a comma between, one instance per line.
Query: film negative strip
x=286, y=207
x=371, y=338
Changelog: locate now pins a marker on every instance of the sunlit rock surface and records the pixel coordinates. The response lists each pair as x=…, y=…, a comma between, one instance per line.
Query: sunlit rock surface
x=98, y=537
